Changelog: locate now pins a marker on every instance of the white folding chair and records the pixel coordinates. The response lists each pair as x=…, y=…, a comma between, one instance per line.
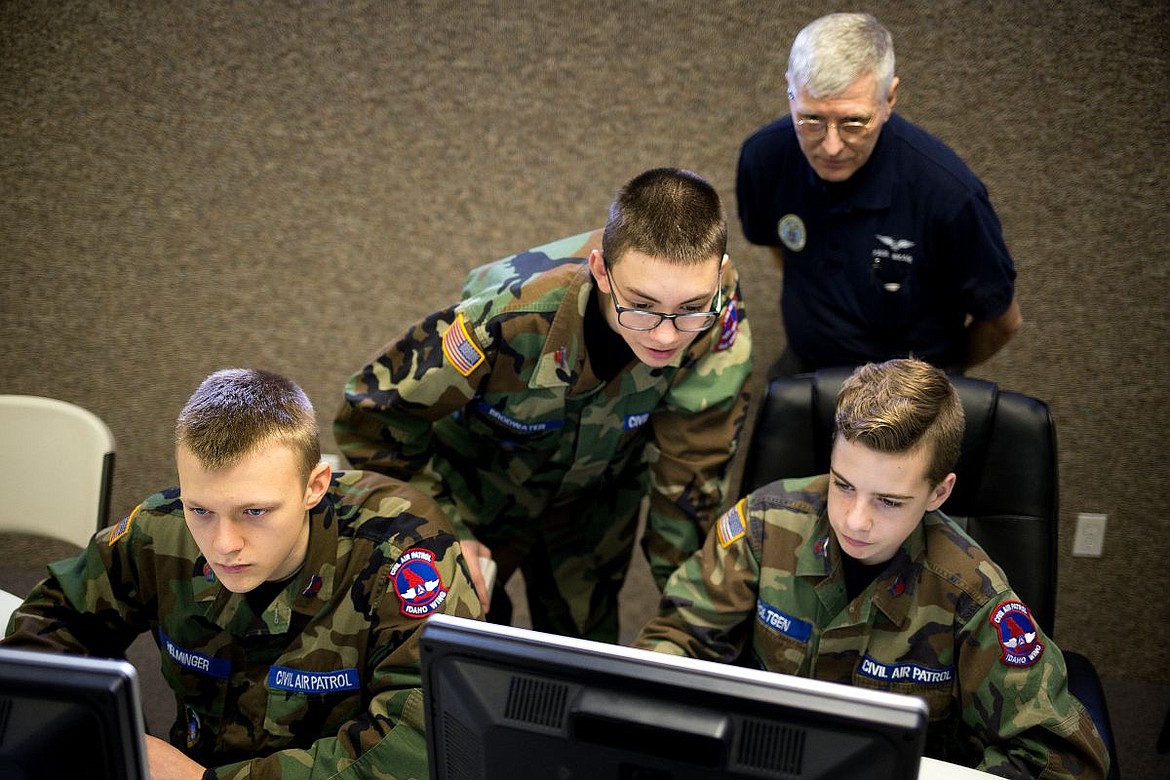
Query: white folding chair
x=8, y=605
x=56, y=469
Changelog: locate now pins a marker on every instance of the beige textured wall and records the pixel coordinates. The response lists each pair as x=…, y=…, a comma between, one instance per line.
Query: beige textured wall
x=185, y=187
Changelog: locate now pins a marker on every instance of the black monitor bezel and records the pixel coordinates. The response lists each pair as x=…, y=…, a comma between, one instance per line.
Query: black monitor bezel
x=107, y=690
x=447, y=642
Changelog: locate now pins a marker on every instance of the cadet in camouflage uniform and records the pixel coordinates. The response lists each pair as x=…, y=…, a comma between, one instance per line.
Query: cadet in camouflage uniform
x=285, y=607
x=854, y=578
x=539, y=417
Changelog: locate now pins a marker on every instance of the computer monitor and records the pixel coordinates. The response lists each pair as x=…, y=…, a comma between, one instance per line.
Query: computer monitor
x=504, y=702
x=69, y=716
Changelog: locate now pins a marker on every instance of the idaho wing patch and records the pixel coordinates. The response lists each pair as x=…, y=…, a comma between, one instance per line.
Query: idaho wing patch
x=1019, y=639
x=416, y=580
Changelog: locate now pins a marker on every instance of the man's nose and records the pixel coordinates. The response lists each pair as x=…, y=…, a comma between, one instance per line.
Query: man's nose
x=227, y=538
x=832, y=143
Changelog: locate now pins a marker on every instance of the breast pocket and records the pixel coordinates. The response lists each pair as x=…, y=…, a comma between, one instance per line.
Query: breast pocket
x=304, y=702
x=940, y=699
x=935, y=686
x=780, y=653
x=894, y=293
x=503, y=443
x=491, y=418
x=781, y=642
x=195, y=676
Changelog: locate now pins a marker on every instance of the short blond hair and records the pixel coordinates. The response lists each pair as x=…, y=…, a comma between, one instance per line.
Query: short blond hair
x=238, y=410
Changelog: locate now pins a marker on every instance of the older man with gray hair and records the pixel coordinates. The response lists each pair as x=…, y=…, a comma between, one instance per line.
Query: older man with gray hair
x=888, y=242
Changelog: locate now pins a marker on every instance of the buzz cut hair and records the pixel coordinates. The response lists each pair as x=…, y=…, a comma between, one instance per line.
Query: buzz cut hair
x=667, y=213
x=834, y=51
x=901, y=405
x=236, y=411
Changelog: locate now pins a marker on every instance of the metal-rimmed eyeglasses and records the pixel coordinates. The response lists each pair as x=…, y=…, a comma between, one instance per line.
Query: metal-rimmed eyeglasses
x=848, y=129
x=644, y=319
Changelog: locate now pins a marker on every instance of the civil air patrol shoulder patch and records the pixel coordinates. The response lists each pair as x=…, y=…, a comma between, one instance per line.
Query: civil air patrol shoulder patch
x=1019, y=639
x=460, y=348
x=416, y=580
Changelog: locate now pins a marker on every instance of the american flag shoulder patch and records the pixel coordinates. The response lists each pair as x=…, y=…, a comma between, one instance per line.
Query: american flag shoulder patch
x=732, y=525
x=461, y=351
x=123, y=527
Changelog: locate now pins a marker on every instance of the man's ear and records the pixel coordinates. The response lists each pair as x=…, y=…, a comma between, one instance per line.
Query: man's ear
x=892, y=98
x=600, y=274
x=319, y=479
x=941, y=492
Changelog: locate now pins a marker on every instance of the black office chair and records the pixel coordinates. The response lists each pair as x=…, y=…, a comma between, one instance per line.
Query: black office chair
x=1005, y=497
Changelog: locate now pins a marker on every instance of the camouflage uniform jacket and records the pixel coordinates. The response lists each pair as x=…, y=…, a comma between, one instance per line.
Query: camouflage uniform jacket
x=940, y=623
x=324, y=683
x=492, y=406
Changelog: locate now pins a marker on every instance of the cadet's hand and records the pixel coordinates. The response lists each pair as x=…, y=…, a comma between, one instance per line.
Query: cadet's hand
x=472, y=552
x=167, y=762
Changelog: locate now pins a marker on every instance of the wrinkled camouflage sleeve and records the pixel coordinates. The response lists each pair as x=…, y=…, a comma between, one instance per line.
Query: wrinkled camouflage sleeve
x=385, y=423
x=696, y=434
x=78, y=608
x=1029, y=723
x=709, y=601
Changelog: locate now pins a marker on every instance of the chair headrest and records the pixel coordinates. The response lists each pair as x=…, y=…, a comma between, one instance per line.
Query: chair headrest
x=980, y=400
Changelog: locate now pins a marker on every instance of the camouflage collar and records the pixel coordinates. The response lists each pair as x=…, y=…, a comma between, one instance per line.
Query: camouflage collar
x=315, y=583
x=893, y=590
x=563, y=354
x=820, y=558
x=563, y=360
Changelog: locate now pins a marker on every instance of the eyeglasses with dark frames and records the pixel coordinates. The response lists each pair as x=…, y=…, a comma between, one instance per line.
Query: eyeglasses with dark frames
x=644, y=319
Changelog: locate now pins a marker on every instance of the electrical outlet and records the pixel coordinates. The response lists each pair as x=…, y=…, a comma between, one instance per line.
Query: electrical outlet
x=1089, y=538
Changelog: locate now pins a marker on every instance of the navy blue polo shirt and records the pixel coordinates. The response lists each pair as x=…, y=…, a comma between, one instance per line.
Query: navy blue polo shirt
x=887, y=263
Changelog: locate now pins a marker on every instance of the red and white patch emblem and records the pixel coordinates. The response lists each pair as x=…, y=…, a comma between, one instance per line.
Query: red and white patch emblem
x=729, y=323
x=1019, y=639
x=417, y=581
